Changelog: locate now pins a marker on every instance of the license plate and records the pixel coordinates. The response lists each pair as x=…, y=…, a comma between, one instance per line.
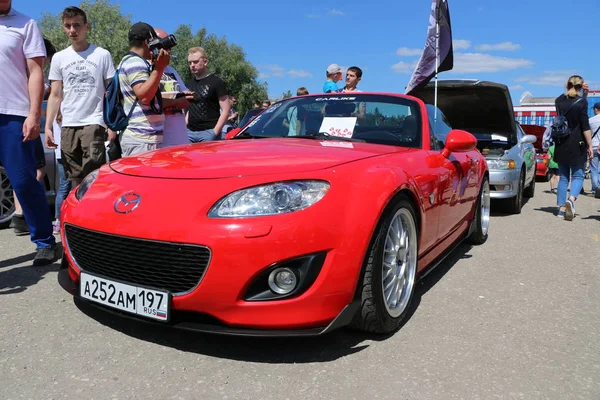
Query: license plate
x=136, y=300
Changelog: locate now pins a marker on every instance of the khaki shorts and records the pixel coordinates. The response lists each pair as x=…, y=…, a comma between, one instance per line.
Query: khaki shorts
x=131, y=146
x=82, y=150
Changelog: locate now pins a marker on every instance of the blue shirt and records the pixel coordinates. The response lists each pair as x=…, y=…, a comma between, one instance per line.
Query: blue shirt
x=330, y=87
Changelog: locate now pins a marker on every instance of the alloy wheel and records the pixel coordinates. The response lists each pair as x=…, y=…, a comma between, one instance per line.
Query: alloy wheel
x=7, y=201
x=399, y=262
x=485, y=207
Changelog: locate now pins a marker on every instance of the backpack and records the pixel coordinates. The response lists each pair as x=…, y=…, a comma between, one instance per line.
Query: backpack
x=560, y=126
x=547, y=138
x=114, y=113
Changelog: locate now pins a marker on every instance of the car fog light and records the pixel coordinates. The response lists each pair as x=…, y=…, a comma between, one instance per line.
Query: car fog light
x=282, y=281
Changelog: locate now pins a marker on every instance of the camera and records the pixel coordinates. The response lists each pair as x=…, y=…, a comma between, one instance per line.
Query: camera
x=166, y=43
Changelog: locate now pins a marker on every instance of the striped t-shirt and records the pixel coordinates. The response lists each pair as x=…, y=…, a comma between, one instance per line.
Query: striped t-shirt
x=144, y=124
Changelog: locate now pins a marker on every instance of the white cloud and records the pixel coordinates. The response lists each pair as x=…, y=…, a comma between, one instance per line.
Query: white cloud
x=298, y=73
x=404, y=67
x=516, y=87
x=468, y=63
x=277, y=71
x=272, y=70
x=336, y=12
x=406, y=52
x=312, y=16
x=504, y=46
x=461, y=44
x=547, y=78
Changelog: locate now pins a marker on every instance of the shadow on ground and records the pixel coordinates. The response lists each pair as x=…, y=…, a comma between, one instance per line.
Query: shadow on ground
x=499, y=208
x=19, y=279
x=596, y=217
x=549, y=210
x=329, y=347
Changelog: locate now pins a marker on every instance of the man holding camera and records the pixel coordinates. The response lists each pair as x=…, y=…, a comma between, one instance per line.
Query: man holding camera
x=140, y=84
x=139, y=81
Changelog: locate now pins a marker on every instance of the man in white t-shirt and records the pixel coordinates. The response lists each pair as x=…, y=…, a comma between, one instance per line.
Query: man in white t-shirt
x=79, y=76
x=175, y=129
x=353, y=77
x=22, y=53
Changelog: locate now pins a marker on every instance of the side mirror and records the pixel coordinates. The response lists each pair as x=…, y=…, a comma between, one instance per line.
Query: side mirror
x=459, y=141
x=232, y=133
x=529, y=139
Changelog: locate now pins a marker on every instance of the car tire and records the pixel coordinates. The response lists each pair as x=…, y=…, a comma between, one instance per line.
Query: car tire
x=482, y=215
x=516, y=203
x=529, y=191
x=384, y=273
x=7, y=203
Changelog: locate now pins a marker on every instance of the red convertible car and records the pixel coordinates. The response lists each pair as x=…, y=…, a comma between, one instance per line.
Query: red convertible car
x=541, y=156
x=322, y=212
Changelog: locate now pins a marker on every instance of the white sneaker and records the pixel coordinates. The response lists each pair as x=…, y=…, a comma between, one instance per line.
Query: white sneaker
x=569, y=210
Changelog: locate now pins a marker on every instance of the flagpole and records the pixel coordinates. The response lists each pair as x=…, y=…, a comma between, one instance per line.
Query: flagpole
x=437, y=58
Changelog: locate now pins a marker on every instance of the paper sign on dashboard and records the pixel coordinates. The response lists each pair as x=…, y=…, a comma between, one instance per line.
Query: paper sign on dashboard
x=499, y=138
x=338, y=126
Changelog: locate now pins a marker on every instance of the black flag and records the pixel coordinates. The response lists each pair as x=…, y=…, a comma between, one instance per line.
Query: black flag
x=425, y=69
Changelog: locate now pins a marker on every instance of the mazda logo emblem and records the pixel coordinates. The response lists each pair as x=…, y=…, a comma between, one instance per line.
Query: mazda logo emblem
x=127, y=203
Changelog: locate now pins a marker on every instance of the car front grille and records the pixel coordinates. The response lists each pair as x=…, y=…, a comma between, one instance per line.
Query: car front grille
x=174, y=267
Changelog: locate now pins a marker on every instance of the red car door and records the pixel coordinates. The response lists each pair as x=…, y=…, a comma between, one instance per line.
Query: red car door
x=452, y=191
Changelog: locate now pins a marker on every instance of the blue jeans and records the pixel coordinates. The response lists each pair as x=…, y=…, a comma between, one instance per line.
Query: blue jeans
x=64, y=187
x=201, y=136
x=595, y=174
x=18, y=158
x=568, y=173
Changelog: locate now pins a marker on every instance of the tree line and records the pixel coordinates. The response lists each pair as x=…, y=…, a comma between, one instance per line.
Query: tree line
x=110, y=27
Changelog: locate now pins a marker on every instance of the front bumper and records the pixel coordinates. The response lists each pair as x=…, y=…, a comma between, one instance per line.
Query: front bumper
x=241, y=251
x=206, y=324
x=504, y=184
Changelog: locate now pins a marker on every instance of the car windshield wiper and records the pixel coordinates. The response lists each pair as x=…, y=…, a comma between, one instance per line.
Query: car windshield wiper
x=327, y=136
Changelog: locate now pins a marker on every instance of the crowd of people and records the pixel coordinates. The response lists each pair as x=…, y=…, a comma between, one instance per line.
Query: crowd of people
x=203, y=111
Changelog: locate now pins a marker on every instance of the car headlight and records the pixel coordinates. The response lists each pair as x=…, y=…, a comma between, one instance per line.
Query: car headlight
x=271, y=199
x=86, y=184
x=501, y=164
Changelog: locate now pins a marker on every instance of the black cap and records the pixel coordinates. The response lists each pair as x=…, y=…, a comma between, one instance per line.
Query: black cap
x=141, y=31
x=597, y=106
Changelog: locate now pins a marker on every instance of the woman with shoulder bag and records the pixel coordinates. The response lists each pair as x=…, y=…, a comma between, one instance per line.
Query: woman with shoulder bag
x=573, y=151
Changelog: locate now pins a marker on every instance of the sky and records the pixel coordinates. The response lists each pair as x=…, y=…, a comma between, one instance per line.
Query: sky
x=529, y=45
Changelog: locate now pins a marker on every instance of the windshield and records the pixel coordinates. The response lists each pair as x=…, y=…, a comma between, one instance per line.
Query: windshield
x=380, y=119
x=249, y=115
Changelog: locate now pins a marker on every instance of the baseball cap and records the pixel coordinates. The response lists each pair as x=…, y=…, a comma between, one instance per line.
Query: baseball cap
x=141, y=31
x=333, y=69
x=597, y=106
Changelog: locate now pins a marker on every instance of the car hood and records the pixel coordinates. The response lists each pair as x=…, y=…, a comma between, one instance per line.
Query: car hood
x=246, y=157
x=537, y=131
x=474, y=106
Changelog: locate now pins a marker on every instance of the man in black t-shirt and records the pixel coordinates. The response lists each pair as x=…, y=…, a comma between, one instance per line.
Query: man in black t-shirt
x=210, y=108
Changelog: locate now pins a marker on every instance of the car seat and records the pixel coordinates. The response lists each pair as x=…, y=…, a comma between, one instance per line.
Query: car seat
x=410, y=128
